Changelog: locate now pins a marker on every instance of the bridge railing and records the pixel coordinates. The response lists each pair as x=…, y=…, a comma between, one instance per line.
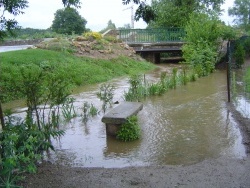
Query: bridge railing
x=152, y=35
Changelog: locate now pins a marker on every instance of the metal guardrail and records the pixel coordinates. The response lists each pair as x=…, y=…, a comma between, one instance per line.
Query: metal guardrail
x=152, y=35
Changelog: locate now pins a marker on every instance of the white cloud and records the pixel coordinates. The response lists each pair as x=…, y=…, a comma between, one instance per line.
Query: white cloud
x=40, y=14
x=225, y=17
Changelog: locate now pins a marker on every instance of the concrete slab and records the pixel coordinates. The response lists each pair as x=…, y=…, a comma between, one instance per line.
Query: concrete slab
x=119, y=114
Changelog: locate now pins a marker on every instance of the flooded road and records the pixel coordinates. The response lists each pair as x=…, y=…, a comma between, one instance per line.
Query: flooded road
x=184, y=126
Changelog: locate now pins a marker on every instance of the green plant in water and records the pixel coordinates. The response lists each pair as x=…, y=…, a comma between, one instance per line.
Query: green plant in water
x=68, y=110
x=106, y=95
x=184, y=78
x=130, y=130
x=88, y=110
x=137, y=90
x=173, y=78
x=85, y=110
x=93, y=111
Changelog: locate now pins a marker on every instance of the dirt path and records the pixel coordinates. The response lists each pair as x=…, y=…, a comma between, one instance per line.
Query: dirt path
x=222, y=172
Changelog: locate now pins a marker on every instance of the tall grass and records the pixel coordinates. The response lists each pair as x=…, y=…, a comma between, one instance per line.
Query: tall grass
x=140, y=88
x=78, y=71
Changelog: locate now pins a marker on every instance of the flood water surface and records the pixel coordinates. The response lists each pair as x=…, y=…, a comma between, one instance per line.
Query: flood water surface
x=183, y=126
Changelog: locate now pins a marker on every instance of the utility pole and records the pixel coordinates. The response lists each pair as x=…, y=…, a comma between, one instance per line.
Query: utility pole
x=132, y=15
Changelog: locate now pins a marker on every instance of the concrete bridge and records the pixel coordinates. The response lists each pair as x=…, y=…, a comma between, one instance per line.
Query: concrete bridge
x=151, y=43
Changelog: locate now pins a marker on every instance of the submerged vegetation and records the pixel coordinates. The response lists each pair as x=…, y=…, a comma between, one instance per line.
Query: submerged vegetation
x=140, y=88
x=130, y=130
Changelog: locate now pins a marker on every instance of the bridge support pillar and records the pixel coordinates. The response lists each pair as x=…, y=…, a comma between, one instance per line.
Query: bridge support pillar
x=151, y=57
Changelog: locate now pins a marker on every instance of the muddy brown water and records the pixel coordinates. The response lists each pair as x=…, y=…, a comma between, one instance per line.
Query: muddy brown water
x=240, y=97
x=184, y=126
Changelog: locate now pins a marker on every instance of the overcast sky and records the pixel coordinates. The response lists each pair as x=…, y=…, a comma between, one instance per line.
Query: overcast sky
x=40, y=13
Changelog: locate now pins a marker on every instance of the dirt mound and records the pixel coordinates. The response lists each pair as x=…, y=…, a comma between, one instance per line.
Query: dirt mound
x=101, y=49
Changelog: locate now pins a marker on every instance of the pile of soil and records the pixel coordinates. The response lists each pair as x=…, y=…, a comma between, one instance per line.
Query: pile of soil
x=89, y=47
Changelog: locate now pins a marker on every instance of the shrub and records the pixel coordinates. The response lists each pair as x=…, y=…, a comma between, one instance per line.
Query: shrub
x=94, y=35
x=20, y=150
x=130, y=130
x=239, y=55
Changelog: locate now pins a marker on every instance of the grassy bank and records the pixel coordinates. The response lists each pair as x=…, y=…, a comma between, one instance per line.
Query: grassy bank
x=63, y=66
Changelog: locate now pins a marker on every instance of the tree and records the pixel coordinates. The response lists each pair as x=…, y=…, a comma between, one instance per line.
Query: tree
x=125, y=26
x=148, y=13
x=241, y=10
x=68, y=21
x=111, y=25
x=202, y=40
x=172, y=13
x=144, y=11
x=68, y=3
x=176, y=13
x=13, y=7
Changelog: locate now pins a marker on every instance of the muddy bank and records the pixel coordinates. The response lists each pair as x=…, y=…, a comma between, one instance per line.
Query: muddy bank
x=243, y=124
x=222, y=172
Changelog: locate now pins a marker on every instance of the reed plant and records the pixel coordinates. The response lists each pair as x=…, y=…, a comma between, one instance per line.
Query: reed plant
x=106, y=95
x=88, y=110
x=139, y=88
x=68, y=109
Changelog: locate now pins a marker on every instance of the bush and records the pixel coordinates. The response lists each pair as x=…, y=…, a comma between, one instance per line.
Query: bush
x=94, y=35
x=247, y=46
x=203, y=35
x=130, y=130
x=20, y=150
x=239, y=55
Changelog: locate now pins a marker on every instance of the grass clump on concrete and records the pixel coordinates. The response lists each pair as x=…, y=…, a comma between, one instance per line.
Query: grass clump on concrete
x=130, y=130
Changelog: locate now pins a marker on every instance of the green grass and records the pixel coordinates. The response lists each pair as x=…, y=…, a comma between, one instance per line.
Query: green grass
x=76, y=70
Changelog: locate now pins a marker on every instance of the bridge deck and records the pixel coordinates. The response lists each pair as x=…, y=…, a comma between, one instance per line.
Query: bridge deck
x=157, y=49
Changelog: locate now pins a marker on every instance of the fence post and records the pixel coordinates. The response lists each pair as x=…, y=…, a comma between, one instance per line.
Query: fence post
x=228, y=71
